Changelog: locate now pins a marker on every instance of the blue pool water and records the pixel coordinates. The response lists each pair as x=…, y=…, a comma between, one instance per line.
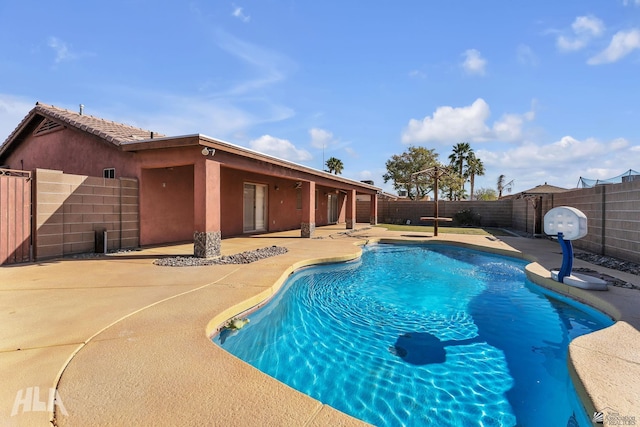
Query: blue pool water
x=422, y=335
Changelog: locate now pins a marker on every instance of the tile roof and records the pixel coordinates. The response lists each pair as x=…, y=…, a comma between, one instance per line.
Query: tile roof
x=545, y=189
x=116, y=133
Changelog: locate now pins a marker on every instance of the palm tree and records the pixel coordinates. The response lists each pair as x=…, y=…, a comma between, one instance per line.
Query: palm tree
x=334, y=166
x=475, y=167
x=458, y=157
x=502, y=185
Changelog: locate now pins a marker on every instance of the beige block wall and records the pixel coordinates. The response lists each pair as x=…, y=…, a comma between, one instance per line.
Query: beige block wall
x=492, y=213
x=613, y=215
x=613, y=218
x=69, y=209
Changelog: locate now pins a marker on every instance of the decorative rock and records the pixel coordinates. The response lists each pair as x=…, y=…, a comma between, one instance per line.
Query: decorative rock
x=206, y=244
x=610, y=262
x=307, y=229
x=241, y=258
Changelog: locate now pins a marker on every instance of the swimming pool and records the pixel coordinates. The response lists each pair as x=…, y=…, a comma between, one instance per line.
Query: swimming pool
x=422, y=335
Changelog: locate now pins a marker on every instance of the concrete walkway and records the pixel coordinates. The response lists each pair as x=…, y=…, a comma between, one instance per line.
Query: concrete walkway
x=124, y=342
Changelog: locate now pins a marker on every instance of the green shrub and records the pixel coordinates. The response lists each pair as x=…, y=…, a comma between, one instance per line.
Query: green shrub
x=467, y=217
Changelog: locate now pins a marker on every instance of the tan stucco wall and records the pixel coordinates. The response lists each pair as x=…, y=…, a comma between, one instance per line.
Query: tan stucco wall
x=71, y=151
x=282, y=214
x=207, y=196
x=168, y=205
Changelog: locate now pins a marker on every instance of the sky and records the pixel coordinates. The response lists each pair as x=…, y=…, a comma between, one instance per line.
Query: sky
x=543, y=91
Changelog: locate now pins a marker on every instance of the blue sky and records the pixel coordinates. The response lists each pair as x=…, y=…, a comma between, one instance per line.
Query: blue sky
x=544, y=91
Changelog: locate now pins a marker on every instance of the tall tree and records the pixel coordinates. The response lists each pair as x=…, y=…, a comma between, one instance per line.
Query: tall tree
x=334, y=166
x=451, y=184
x=400, y=167
x=458, y=158
x=500, y=185
x=486, y=194
x=475, y=167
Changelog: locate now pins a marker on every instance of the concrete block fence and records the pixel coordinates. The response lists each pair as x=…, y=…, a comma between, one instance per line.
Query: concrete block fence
x=612, y=210
x=69, y=209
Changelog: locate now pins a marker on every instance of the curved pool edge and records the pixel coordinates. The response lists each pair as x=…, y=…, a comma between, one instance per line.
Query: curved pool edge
x=588, y=356
x=217, y=322
x=603, y=365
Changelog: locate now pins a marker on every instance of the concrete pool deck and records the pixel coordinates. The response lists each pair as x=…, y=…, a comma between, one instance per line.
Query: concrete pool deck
x=125, y=342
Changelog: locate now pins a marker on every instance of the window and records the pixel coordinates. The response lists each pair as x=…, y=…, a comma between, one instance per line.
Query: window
x=109, y=173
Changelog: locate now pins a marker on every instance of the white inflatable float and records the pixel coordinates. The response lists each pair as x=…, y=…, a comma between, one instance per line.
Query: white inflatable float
x=569, y=224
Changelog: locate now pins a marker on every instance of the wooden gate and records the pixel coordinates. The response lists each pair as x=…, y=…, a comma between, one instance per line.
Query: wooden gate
x=15, y=216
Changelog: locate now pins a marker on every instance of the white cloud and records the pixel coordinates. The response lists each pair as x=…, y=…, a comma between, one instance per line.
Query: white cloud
x=584, y=29
x=217, y=119
x=280, y=148
x=351, y=152
x=622, y=44
x=271, y=67
x=509, y=127
x=365, y=175
x=473, y=62
x=628, y=2
x=526, y=56
x=61, y=49
x=417, y=74
x=450, y=124
x=321, y=138
x=566, y=44
x=238, y=13
x=619, y=144
x=171, y=114
x=456, y=124
x=561, y=162
x=589, y=25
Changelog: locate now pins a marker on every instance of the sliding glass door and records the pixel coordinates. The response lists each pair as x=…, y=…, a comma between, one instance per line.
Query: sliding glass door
x=255, y=207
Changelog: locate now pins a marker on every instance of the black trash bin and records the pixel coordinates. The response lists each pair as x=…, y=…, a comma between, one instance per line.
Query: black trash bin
x=101, y=241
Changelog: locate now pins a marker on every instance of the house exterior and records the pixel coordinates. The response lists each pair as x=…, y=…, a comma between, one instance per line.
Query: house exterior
x=191, y=187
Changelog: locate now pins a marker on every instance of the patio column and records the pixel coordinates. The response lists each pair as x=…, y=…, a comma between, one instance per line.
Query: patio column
x=206, y=188
x=351, y=209
x=373, y=210
x=308, y=224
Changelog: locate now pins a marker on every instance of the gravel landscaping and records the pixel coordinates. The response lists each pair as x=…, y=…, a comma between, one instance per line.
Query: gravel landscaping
x=241, y=258
x=608, y=262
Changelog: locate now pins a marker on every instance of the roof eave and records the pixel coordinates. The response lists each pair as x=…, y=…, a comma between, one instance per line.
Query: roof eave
x=17, y=131
x=247, y=152
x=207, y=141
x=162, y=142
